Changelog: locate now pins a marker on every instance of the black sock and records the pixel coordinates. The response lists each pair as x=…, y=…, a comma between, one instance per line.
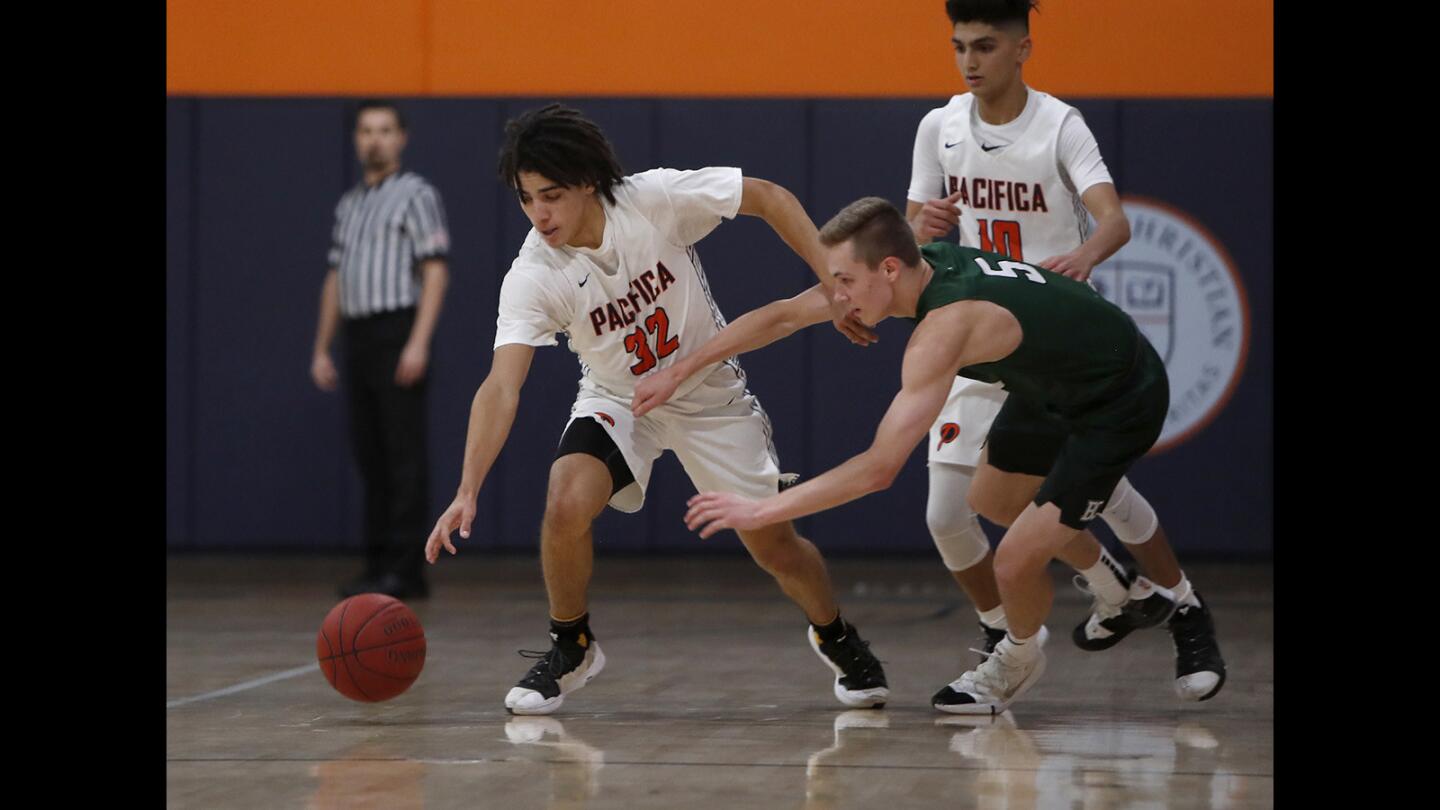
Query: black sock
x=574, y=632
x=832, y=631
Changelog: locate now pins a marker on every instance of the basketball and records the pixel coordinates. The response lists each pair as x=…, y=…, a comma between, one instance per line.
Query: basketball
x=371, y=647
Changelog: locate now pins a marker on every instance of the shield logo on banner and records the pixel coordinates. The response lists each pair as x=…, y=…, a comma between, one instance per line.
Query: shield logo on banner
x=1147, y=292
x=1177, y=281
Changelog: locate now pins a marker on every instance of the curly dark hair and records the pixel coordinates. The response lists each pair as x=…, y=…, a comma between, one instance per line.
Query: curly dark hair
x=561, y=144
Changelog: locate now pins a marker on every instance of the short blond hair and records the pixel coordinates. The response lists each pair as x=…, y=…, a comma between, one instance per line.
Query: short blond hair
x=878, y=230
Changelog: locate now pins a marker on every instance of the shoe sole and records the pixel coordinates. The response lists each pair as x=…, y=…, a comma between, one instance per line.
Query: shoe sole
x=994, y=709
x=1212, y=693
x=868, y=699
x=549, y=706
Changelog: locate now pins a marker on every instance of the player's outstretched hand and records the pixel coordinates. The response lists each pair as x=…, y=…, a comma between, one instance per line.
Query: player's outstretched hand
x=711, y=512
x=460, y=515
x=936, y=218
x=1071, y=265
x=850, y=326
x=654, y=391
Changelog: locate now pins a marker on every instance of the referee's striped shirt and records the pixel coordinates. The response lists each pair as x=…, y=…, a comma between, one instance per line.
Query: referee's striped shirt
x=381, y=236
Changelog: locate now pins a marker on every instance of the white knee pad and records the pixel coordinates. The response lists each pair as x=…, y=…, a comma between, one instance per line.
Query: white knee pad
x=1129, y=515
x=953, y=525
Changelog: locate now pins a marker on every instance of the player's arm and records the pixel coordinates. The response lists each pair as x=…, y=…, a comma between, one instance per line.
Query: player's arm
x=783, y=212
x=1112, y=231
x=492, y=413
x=959, y=335
x=929, y=217
x=1080, y=160
x=756, y=328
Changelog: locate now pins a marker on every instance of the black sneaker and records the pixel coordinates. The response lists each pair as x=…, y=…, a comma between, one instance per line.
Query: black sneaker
x=1199, y=669
x=993, y=635
x=990, y=637
x=1147, y=605
x=562, y=670
x=859, y=678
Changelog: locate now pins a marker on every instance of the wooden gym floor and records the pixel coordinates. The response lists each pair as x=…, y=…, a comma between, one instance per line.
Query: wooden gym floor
x=711, y=697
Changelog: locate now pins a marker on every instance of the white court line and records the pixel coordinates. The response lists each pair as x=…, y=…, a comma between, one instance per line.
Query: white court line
x=241, y=687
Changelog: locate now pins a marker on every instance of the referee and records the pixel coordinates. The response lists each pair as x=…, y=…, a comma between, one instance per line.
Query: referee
x=384, y=286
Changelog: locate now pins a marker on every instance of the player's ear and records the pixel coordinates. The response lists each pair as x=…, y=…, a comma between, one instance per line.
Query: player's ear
x=1024, y=48
x=587, y=188
x=890, y=266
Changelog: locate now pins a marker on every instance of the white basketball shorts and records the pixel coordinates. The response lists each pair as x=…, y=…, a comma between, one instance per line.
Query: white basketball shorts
x=718, y=431
x=959, y=433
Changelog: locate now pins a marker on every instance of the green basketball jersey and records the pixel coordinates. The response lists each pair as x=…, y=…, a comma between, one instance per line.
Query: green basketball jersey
x=1077, y=347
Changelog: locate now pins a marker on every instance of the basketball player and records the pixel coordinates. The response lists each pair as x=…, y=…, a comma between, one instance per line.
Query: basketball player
x=1088, y=397
x=611, y=263
x=1016, y=170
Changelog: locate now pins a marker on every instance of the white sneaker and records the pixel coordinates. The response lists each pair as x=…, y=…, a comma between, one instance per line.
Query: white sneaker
x=990, y=688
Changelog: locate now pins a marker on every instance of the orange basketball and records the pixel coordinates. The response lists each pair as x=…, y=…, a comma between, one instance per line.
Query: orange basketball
x=371, y=647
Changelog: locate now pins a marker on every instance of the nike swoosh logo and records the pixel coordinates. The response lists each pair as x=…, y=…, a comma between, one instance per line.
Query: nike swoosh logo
x=957, y=143
x=984, y=148
x=582, y=284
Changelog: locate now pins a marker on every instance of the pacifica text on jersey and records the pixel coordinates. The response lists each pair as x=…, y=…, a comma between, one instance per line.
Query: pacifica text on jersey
x=623, y=311
x=999, y=195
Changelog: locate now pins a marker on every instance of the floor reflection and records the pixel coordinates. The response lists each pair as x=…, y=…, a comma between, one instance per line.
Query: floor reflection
x=368, y=775
x=1095, y=764
x=857, y=733
x=1008, y=776
x=999, y=764
x=572, y=764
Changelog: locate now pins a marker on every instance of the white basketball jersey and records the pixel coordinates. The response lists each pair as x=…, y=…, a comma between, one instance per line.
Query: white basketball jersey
x=640, y=301
x=1013, y=199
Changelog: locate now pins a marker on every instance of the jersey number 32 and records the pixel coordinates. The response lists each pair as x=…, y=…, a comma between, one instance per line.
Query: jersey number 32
x=658, y=324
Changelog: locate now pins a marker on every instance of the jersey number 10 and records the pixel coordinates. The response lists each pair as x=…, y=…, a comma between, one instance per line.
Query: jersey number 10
x=1001, y=236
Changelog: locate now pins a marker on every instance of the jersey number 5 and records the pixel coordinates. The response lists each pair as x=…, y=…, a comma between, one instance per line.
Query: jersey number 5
x=658, y=325
x=1001, y=236
x=1007, y=269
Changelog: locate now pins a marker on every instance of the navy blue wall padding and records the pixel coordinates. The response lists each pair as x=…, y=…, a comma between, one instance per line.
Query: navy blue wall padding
x=256, y=457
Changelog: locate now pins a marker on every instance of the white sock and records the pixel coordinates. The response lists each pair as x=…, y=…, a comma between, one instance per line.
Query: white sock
x=994, y=618
x=1105, y=578
x=1023, y=649
x=1184, y=593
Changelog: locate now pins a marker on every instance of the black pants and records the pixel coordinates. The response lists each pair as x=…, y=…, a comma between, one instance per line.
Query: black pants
x=387, y=433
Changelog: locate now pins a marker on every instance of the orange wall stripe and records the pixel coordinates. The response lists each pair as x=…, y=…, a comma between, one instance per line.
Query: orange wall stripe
x=1131, y=48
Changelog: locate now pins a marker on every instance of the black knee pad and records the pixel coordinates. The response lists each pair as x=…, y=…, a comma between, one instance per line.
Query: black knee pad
x=586, y=435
